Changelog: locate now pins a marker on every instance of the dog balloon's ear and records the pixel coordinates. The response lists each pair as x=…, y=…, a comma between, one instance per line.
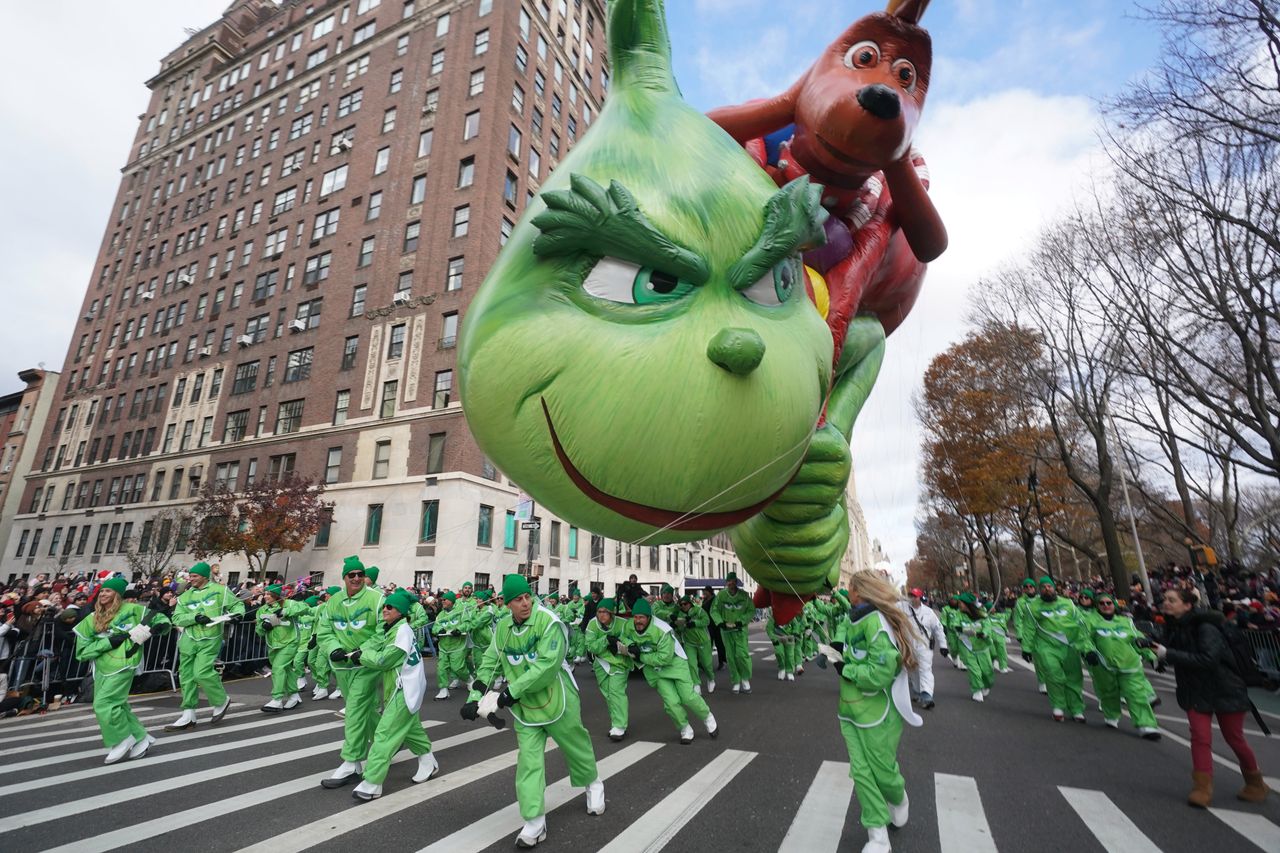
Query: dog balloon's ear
x=909, y=10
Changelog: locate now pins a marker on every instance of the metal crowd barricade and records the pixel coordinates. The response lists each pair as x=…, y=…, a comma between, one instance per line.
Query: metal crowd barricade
x=1266, y=650
x=243, y=651
x=44, y=662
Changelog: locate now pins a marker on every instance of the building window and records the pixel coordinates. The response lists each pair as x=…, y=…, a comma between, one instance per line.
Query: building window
x=326, y=224
x=341, y=403
x=373, y=525
x=476, y=85
x=429, y=520
x=333, y=180
x=424, y=143
x=246, y=378
x=298, y=365
x=437, y=62
x=281, y=466
x=236, y=427
x=411, y=232
x=509, y=532
x=482, y=42
x=466, y=172
x=484, y=527
x=357, y=300
x=597, y=548
x=382, y=459
x=510, y=189
x=418, y=192
x=317, y=268
x=517, y=98
x=444, y=389
x=504, y=232
x=461, y=220
x=395, y=342
x=513, y=141
x=388, y=406
x=350, y=348
x=350, y=103
x=382, y=160
x=289, y=417
x=366, y=253
x=375, y=206
x=395, y=81
x=449, y=330
x=435, y=453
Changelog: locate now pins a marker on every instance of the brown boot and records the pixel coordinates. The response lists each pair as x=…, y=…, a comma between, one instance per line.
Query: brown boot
x=1202, y=794
x=1255, y=790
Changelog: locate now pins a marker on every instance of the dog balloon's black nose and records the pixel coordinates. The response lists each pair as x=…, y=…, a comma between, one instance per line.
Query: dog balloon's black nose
x=879, y=100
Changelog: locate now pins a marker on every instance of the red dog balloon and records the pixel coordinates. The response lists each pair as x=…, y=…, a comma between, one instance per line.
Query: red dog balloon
x=848, y=123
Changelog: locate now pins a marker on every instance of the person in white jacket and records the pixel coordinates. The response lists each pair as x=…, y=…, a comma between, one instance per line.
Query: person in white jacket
x=930, y=636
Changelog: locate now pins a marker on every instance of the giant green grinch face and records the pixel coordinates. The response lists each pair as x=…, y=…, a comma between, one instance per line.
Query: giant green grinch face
x=643, y=356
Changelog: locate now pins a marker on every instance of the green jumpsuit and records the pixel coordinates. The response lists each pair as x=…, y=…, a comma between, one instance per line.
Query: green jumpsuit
x=974, y=636
x=394, y=649
x=998, y=622
x=306, y=622
x=113, y=670
x=1120, y=672
x=575, y=609
x=1058, y=634
x=874, y=701
x=1026, y=628
x=666, y=669
x=199, y=645
x=611, y=669
x=283, y=642
x=693, y=633
x=531, y=656
x=732, y=611
x=948, y=619
x=345, y=622
x=452, y=626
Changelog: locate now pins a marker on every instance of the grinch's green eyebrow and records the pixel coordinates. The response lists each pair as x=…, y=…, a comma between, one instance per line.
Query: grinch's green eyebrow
x=587, y=219
x=793, y=221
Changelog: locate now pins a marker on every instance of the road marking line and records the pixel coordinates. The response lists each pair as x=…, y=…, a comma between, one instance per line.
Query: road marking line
x=358, y=816
x=1254, y=827
x=79, y=716
x=1114, y=831
x=153, y=760
x=819, y=822
x=160, y=735
x=962, y=824
x=212, y=732
x=159, y=826
x=769, y=658
x=654, y=829
x=93, y=727
x=493, y=828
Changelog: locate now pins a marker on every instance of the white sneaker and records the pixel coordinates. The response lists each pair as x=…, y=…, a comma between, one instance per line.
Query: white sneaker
x=366, y=791
x=292, y=702
x=336, y=694
x=220, y=712
x=791, y=676
x=1043, y=689
x=347, y=772
x=185, y=721
x=711, y=686
x=319, y=693
x=960, y=666
x=140, y=748
x=443, y=694
x=595, y=798
x=686, y=734
x=986, y=691
x=454, y=684
x=746, y=686
x=782, y=676
x=713, y=728
x=737, y=687
x=274, y=706
x=533, y=833
x=977, y=695
x=1115, y=724
x=697, y=688
x=1149, y=733
x=898, y=813
x=1079, y=718
x=342, y=712
x=302, y=683
x=877, y=841
x=617, y=734
x=120, y=750
x=427, y=767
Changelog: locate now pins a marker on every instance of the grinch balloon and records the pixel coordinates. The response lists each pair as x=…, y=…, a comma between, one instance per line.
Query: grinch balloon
x=648, y=357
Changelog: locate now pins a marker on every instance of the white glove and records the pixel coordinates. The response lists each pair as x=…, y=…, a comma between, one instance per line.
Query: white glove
x=488, y=705
x=271, y=619
x=829, y=653
x=139, y=634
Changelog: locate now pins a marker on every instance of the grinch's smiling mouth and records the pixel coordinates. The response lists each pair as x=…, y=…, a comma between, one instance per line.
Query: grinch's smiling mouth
x=666, y=519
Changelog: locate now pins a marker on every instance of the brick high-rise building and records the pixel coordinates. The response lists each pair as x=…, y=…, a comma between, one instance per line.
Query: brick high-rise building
x=22, y=421
x=312, y=198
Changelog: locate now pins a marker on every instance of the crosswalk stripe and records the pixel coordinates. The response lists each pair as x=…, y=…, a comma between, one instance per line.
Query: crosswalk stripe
x=506, y=821
x=73, y=717
x=819, y=822
x=159, y=826
x=211, y=732
x=359, y=816
x=93, y=727
x=1254, y=827
x=97, y=737
x=1113, y=829
x=769, y=658
x=153, y=760
x=962, y=824
x=655, y=828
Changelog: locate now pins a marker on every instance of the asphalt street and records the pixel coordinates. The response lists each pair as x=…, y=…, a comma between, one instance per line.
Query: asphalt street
x=1000, y=775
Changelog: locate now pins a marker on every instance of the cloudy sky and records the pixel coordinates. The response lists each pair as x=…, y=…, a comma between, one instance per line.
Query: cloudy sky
x=1009, y=132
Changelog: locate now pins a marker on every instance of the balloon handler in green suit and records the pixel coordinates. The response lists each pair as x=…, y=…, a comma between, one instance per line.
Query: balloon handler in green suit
x=278, y=622
x=732, y=609
x=872, y=657
x=652, y=644
x=691, y=623
x=201, y=611
x=1116, y=650
x=611, y=667
x=111, y=638
x=528, y=649
x=1054, y=645
x=394, y=648
x=345, y=621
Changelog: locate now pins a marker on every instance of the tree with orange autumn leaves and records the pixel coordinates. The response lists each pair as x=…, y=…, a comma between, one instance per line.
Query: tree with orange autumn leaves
x=268, y=517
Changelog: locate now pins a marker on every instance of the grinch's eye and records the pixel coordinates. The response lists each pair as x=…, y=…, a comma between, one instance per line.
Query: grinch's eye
x=776, y=286
x=630, y=284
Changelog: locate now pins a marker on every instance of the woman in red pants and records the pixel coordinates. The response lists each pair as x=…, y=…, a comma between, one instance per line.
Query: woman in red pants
x=1208, y=686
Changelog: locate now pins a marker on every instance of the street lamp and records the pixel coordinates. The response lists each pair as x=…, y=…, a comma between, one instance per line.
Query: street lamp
x=1033, y=486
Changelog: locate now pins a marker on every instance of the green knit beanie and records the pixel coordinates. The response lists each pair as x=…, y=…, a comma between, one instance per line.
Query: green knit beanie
x=116, y=585
x=352, y=564
x=514, y=586
x=202, y=569
x=641, y=608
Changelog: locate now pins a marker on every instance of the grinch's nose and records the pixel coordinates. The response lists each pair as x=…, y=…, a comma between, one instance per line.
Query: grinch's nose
x=739, y=351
